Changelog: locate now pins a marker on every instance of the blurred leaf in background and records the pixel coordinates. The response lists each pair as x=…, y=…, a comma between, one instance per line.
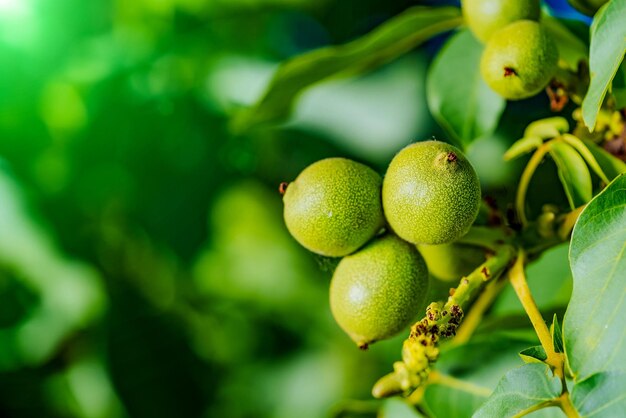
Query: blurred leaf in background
x=145, y=270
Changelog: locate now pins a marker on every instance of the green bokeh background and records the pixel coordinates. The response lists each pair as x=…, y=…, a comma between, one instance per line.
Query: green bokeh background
x=144, y=267
x=145, y=270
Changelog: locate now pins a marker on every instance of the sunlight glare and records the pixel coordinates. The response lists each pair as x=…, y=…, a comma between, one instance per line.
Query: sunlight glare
x=17, y=26
x=14, y=8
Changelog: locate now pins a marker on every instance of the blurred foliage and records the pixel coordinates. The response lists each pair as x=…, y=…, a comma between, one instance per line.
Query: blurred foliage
x=145, y=270
x=144, y=267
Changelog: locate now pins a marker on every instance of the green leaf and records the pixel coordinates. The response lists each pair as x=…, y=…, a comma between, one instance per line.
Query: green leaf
x=557, y=335
x=392, y=39
x=571, y=48
x=522, y=146
x=573, y=173
x=608, y=44
x=467, y=361
x=534, y=354
x=457, y=96
x=520, y=390
x=582, y=149
x=398, y=408
x=547, y=128
x=601, y=395
x=593, y=328
x=466, y=379
x=453, y=398
x=610, y=165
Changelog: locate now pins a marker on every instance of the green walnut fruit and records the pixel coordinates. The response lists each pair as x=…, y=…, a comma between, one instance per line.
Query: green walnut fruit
x=484, y=17
x=431, y=193
x=519, y=60
x=450, y=262
x=334, y=206
x=588, y=7
x=377, y=291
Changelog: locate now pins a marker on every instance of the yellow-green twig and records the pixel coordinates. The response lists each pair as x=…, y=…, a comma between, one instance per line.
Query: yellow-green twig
x=565, y=403
x=529, y=170
x=518, y=281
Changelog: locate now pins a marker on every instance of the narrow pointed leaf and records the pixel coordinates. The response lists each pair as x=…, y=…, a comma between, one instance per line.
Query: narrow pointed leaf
x=587, y=155
x=392, y=39
x=547, y=128
x=523, y=146
x=573, y=173
x=534, y=354
x=610, y=165
x=557, y=335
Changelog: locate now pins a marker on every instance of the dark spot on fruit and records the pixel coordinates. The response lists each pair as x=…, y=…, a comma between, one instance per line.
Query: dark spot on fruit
x=509, y=71
x=282, y=187
x=452, y=157
x=363, y=346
